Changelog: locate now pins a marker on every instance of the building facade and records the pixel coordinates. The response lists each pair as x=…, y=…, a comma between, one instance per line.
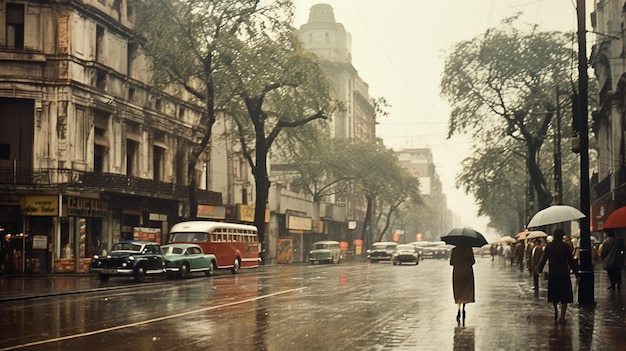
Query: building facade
x=86, y=146
x=608, y=180
x=420, y=164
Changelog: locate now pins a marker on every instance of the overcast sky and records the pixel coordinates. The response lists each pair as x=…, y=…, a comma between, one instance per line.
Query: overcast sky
x=399, y=48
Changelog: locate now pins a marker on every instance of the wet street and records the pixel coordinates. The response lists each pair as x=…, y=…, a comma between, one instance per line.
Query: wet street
x=353, y=305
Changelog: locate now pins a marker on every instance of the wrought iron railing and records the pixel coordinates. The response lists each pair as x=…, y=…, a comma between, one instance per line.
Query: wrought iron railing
x=54, y=177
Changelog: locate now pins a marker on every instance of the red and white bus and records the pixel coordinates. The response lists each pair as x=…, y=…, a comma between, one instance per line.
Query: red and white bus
x=234, y=245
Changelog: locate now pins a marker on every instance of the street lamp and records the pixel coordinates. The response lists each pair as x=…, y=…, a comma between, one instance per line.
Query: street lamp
x=585, y=290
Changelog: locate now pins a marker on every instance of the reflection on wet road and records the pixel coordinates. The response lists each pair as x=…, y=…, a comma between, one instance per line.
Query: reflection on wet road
x=353, y=305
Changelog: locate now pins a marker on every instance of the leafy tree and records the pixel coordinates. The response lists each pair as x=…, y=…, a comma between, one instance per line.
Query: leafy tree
x=502, y=86
x=189, y=46
x=279, y=86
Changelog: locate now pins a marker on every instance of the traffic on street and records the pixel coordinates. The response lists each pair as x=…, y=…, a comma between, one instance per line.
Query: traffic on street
x=354, y=305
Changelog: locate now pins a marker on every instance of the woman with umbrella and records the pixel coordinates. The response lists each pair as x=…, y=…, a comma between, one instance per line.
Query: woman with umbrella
x=462, y=260
x=561, y=261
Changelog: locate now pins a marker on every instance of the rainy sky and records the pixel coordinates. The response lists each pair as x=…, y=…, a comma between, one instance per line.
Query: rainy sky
x=399, y=48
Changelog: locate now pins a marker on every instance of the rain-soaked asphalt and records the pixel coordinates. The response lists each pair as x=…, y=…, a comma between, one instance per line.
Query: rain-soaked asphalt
x=353, y=305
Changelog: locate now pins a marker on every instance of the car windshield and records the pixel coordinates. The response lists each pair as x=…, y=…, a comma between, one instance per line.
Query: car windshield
x=126, y=247
x=170, y=250
x=319, y=246
x=405, y=247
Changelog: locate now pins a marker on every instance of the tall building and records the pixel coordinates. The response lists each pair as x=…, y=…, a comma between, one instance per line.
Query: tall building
x=329, y=40
x=608, y=180
x=419, y=163
x=89, y=153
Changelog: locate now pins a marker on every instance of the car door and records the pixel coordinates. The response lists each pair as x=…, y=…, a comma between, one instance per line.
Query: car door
x=155, y=259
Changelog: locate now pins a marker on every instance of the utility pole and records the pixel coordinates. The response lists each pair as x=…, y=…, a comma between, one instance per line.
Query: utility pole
x=558, y=174
x=585, y=290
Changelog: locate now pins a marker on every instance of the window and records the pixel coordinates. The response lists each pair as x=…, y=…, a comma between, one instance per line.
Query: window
x=15, y=26
x=81, y=127
x=158, y=161
x=99, y=42
x=131, y=157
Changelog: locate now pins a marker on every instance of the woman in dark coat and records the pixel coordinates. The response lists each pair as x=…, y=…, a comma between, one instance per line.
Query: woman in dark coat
x=561, y=261
x=462, y=259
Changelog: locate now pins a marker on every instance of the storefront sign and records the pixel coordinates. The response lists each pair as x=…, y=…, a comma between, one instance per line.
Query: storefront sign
x=40, y=242
x=212, y=212
x=10, y=201
x=147, y=234
x=80, y=206
x=299, y=223
x=44, y=205
x=246, y=214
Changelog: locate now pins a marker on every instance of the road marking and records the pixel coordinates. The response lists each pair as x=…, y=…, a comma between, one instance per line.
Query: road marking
x=100, y=331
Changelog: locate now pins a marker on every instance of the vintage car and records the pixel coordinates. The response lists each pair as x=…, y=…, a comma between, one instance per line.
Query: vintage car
x=184, y=259
x=437, y=251
x=381, y=251
x=405, y=253
x=325, y=251
x=134, y=258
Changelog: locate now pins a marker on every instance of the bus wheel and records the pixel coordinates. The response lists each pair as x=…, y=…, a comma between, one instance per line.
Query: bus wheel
x=235, y=267
x=209, y=272
x=183, y=271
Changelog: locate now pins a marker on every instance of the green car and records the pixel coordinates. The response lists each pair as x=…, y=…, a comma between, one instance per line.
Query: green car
x=183, y=259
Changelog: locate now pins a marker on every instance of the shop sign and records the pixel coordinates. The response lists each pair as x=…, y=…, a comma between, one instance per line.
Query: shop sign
x=212, y=212
x=80, y=206
x=10, y=201
x=43, y=205
x=246, y=214
x=147, y=234
x=299, y=223
x=40, y=242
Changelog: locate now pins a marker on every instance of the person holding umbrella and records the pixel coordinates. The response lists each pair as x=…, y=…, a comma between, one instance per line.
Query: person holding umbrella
x=612, y=253
x=561, y=261
x=462, y=260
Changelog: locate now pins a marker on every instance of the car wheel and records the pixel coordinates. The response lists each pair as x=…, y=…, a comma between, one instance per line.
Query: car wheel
x=140, y=273
x=235, y=266
x=103, y=277
x=332, y=260
x=210, y=271
x=183, y=272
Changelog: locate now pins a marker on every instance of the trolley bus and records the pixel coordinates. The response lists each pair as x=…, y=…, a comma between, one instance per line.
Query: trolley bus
x=234, y=245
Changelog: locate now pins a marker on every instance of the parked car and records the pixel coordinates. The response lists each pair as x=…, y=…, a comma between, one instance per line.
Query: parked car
x=439, y=251
x=381, y=251
x=325, y=251
x=406, y=253
x=184, y=259
x=134, y=258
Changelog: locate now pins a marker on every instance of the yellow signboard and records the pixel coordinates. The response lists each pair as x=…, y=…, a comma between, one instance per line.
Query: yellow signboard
x=40, y=205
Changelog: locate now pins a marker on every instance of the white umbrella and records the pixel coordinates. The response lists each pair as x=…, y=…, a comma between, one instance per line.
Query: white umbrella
x=555, y=214
x=507, y=239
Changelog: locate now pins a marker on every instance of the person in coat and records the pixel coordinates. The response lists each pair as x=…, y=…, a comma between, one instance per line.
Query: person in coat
x=462, y=260
x=561, y=261
x=612, y=253
x=535, y=259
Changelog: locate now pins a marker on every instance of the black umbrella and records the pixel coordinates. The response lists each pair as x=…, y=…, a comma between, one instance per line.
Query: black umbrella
x=464, y=237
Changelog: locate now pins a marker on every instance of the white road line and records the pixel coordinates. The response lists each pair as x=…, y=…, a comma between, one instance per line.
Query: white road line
x=100, y=331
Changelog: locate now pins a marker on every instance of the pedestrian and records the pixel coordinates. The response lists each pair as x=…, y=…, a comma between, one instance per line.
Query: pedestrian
x=519, y=255
x=493, y=250
x=535, y=259
x=559, y=255
x=612, y=253
x=508, y=254
x=462, y=260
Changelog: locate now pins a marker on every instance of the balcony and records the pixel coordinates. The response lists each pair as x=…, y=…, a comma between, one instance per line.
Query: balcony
x=52, y=178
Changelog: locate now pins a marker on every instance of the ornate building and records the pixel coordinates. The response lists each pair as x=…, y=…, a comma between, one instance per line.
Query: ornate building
x=89, y=154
